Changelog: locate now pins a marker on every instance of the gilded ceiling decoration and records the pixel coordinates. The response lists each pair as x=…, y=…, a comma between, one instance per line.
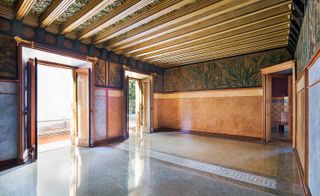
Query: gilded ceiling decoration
x=10, y=3
x=103, y=12
x=144, y=9
x=75, y=7
x=39, y=7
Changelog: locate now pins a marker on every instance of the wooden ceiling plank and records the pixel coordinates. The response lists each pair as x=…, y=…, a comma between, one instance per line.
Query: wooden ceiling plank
x=164, y=21
x=217, y=39
x=120, y=12
x=228, y=52
x=154, y=12
x=222, y=12
x=191, y=32
x=87, y=12
x=255, y=39
x=225, y=50
x=213, y=50
x=54, y=11
x=238, y=27
x=23, y=8
x=212, y=10
x=224, y=43
x=224, y=55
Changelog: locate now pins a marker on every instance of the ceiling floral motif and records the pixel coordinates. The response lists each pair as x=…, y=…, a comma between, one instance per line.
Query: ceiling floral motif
x=39, y=7
x=10, y=3
x=102, y=13
x=144, y=9
x=75, y=7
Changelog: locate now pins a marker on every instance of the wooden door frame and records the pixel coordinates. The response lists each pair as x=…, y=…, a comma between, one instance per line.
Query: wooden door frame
x=126, y=100
x=266, y=80
x=33, y=45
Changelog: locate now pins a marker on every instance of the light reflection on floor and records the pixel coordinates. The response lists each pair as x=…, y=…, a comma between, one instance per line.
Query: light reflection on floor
x=133, y=170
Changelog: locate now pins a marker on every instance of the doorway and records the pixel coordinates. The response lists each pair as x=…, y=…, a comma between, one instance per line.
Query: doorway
x=279, y=102
x=57, y=100
x=139, y=102
x=55, y=107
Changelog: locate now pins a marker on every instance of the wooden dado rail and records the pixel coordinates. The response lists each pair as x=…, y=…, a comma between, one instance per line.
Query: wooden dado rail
x=243, y=92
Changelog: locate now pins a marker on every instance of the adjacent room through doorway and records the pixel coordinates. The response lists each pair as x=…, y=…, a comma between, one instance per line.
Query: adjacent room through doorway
x=58, y=101
x=55, y=103
x=139, y=102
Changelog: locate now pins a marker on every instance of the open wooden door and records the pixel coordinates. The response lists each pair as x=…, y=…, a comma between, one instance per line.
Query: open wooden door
x=29, y=110
x=83, y=107
x=145, y=105
x=126, y=106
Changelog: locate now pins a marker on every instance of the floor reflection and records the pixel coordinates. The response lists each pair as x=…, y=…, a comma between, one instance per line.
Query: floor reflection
x=140, y=166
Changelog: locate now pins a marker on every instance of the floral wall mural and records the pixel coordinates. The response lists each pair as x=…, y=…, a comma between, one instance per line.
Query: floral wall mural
x=234, y=72
x=100, y=73
x=158, y=83
x=8, y=57
x=115, y=75
x=309, y=38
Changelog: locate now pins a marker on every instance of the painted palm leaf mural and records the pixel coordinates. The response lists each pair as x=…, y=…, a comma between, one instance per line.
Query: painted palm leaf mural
x=235, y=72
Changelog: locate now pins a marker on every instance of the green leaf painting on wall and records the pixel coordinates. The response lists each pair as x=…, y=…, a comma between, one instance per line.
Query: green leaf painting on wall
x=309, y=38
x=100, y=73
x=115, y=75
x=234, y=72
x=8, y=56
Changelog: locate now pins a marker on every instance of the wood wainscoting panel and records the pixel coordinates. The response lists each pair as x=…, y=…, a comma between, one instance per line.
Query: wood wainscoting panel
x=233, y=114
x=115, y=116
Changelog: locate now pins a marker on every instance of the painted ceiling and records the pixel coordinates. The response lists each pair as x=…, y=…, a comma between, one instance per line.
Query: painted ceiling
x=164, y=32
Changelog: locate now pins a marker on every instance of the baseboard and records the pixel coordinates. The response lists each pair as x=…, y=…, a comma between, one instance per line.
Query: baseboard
x=109, y=141
x=305, y=187
x=209, y=134
x=7, y=164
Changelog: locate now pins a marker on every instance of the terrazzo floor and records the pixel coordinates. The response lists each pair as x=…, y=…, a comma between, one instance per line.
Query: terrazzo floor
x=172, y=163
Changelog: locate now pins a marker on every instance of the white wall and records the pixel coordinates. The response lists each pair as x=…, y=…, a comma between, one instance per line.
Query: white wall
x=55, y=91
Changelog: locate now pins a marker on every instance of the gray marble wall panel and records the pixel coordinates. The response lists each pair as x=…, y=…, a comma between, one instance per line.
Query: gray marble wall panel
x=100, y=121
x=314, y=72
x=314, y=130
x=8, y=121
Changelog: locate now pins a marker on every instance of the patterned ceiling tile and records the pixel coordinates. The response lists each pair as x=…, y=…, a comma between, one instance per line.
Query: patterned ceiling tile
x=75, y=7
x=11, y=3
x=40, y=6
x=103, y=12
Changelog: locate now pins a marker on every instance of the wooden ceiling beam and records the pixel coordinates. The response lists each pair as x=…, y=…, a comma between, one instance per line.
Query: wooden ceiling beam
x=214, y=26
x=120, y=12
x=220, y=10
x=166, y=21
x=227, y=49
x=223, y=42
x=54, y=11
x=208, y=50
x=225, y=54
x=23, y=8
x=221, y=56
x=87, y=12
x=220, y=38
x=166, y=6
x=219, y=34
